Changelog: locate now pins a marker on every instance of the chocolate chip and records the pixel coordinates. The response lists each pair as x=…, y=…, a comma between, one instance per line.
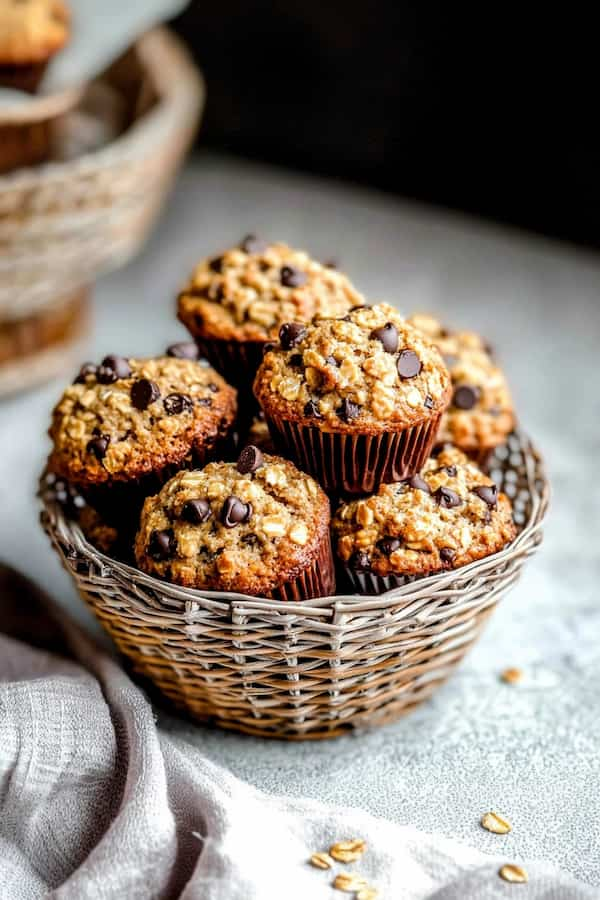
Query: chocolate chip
x=408, y=364
x=389, y=545
x=447, y=498
x=450, y=470
x=488, y=493
x=195, y=511
x=447, y=554
x=177, y=403
x=466, y=396
x=330, y=264
x=348, y=410
x=428, y=402
x=161, y=545
x=331, y=361
x=143, y=393
x=183, y=350
x=290, y=334
x=291, y=277
x=360, y=561
x=418, y=484
x=251, y=539
x=118, y=364
x=270, y=345
x=235, y=511
x=106, y=375
x=216, y=264
x=296, y=360
x=388, y=335
x=249, y=460
x=87, y=368
x=213, y=387
x=204, y=401
x=99, y=445
x=311, y=410
x=252, y=244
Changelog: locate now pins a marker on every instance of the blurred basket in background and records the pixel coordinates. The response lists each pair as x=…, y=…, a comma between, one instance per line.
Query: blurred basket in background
x=64, y=223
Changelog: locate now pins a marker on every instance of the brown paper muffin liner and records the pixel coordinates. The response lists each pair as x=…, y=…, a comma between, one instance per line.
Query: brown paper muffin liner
x=22, y=78
x=372, y=584
x=318, y=580
x=355, y=463
x=120, y=502
x=237, y=362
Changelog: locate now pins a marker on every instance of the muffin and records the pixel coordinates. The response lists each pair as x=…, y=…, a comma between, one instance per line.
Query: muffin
x=480, y=416
x=125, y=426
x=31, y=32
x=237, y=302
x=258, y=527
x=446, y=517
x=355, y=401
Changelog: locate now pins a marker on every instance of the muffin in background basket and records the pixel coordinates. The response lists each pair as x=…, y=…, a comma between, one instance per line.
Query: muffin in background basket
x=125, y=426
x=355, y=401
x=258, y=527
x=31, y=32
x=446, y=517
x=236, y=302
x=480, y=416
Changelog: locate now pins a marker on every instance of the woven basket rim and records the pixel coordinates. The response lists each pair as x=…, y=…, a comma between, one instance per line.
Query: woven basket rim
x=332, y=605
x=179, y=84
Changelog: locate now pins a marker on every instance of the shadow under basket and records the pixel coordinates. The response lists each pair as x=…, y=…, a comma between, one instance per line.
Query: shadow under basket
x=313, y=669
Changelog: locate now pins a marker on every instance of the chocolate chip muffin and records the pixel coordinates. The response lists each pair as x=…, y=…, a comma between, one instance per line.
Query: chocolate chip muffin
x=449, y=515
x=125, y=426
x=258, y=527
x=31, y=32
x=236, y=302
x=480, y=415
x=355, y=401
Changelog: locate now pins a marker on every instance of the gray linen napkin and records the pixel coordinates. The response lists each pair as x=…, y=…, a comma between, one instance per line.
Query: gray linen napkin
x=96, y=803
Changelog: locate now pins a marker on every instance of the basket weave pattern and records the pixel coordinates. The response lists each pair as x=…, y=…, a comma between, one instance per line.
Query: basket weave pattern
x=312, y=669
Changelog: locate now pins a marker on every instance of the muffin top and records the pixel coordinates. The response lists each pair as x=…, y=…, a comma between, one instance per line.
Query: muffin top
x=31, y=30
x=241, y=527
x=480, y=415
x=249, y=291
x=368, y=371
x=446, y=517
x=127, y=417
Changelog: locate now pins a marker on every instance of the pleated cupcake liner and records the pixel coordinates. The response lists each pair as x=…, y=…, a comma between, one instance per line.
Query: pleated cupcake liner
x=237, y=362
x=317, y=580
x=355, y=463
x=372, y=584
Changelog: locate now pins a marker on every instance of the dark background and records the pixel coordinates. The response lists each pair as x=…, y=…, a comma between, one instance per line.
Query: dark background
x=492, y=111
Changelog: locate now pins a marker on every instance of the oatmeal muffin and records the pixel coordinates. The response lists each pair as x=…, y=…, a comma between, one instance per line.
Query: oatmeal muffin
x=258, y=526
x=449, y=515
x=237, y=302
x=125, y=426
x=355, y=401
x=31, y=32
x=480, y=415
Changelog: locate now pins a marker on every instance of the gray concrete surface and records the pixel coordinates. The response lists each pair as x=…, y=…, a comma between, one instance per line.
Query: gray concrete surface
x=531, y=751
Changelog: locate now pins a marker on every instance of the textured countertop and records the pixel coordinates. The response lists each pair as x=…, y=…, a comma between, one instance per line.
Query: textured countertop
x=530, y=751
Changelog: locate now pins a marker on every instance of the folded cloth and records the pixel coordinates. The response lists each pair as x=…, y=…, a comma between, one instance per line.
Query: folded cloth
x=96, y=803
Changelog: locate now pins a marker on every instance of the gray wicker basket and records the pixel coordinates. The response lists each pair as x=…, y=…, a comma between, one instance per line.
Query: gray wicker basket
x=313, y=669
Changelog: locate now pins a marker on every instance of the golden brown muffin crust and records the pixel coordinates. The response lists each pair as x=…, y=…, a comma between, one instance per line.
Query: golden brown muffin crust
x=447, y=517
x=249, y=291
x=107, y=428
x=366, y=372
x=32, y=30
x=480, y=415
x=224, y=529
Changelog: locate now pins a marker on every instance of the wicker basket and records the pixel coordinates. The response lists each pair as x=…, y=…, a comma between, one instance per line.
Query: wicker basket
x=63, y=224
x=305, y=670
